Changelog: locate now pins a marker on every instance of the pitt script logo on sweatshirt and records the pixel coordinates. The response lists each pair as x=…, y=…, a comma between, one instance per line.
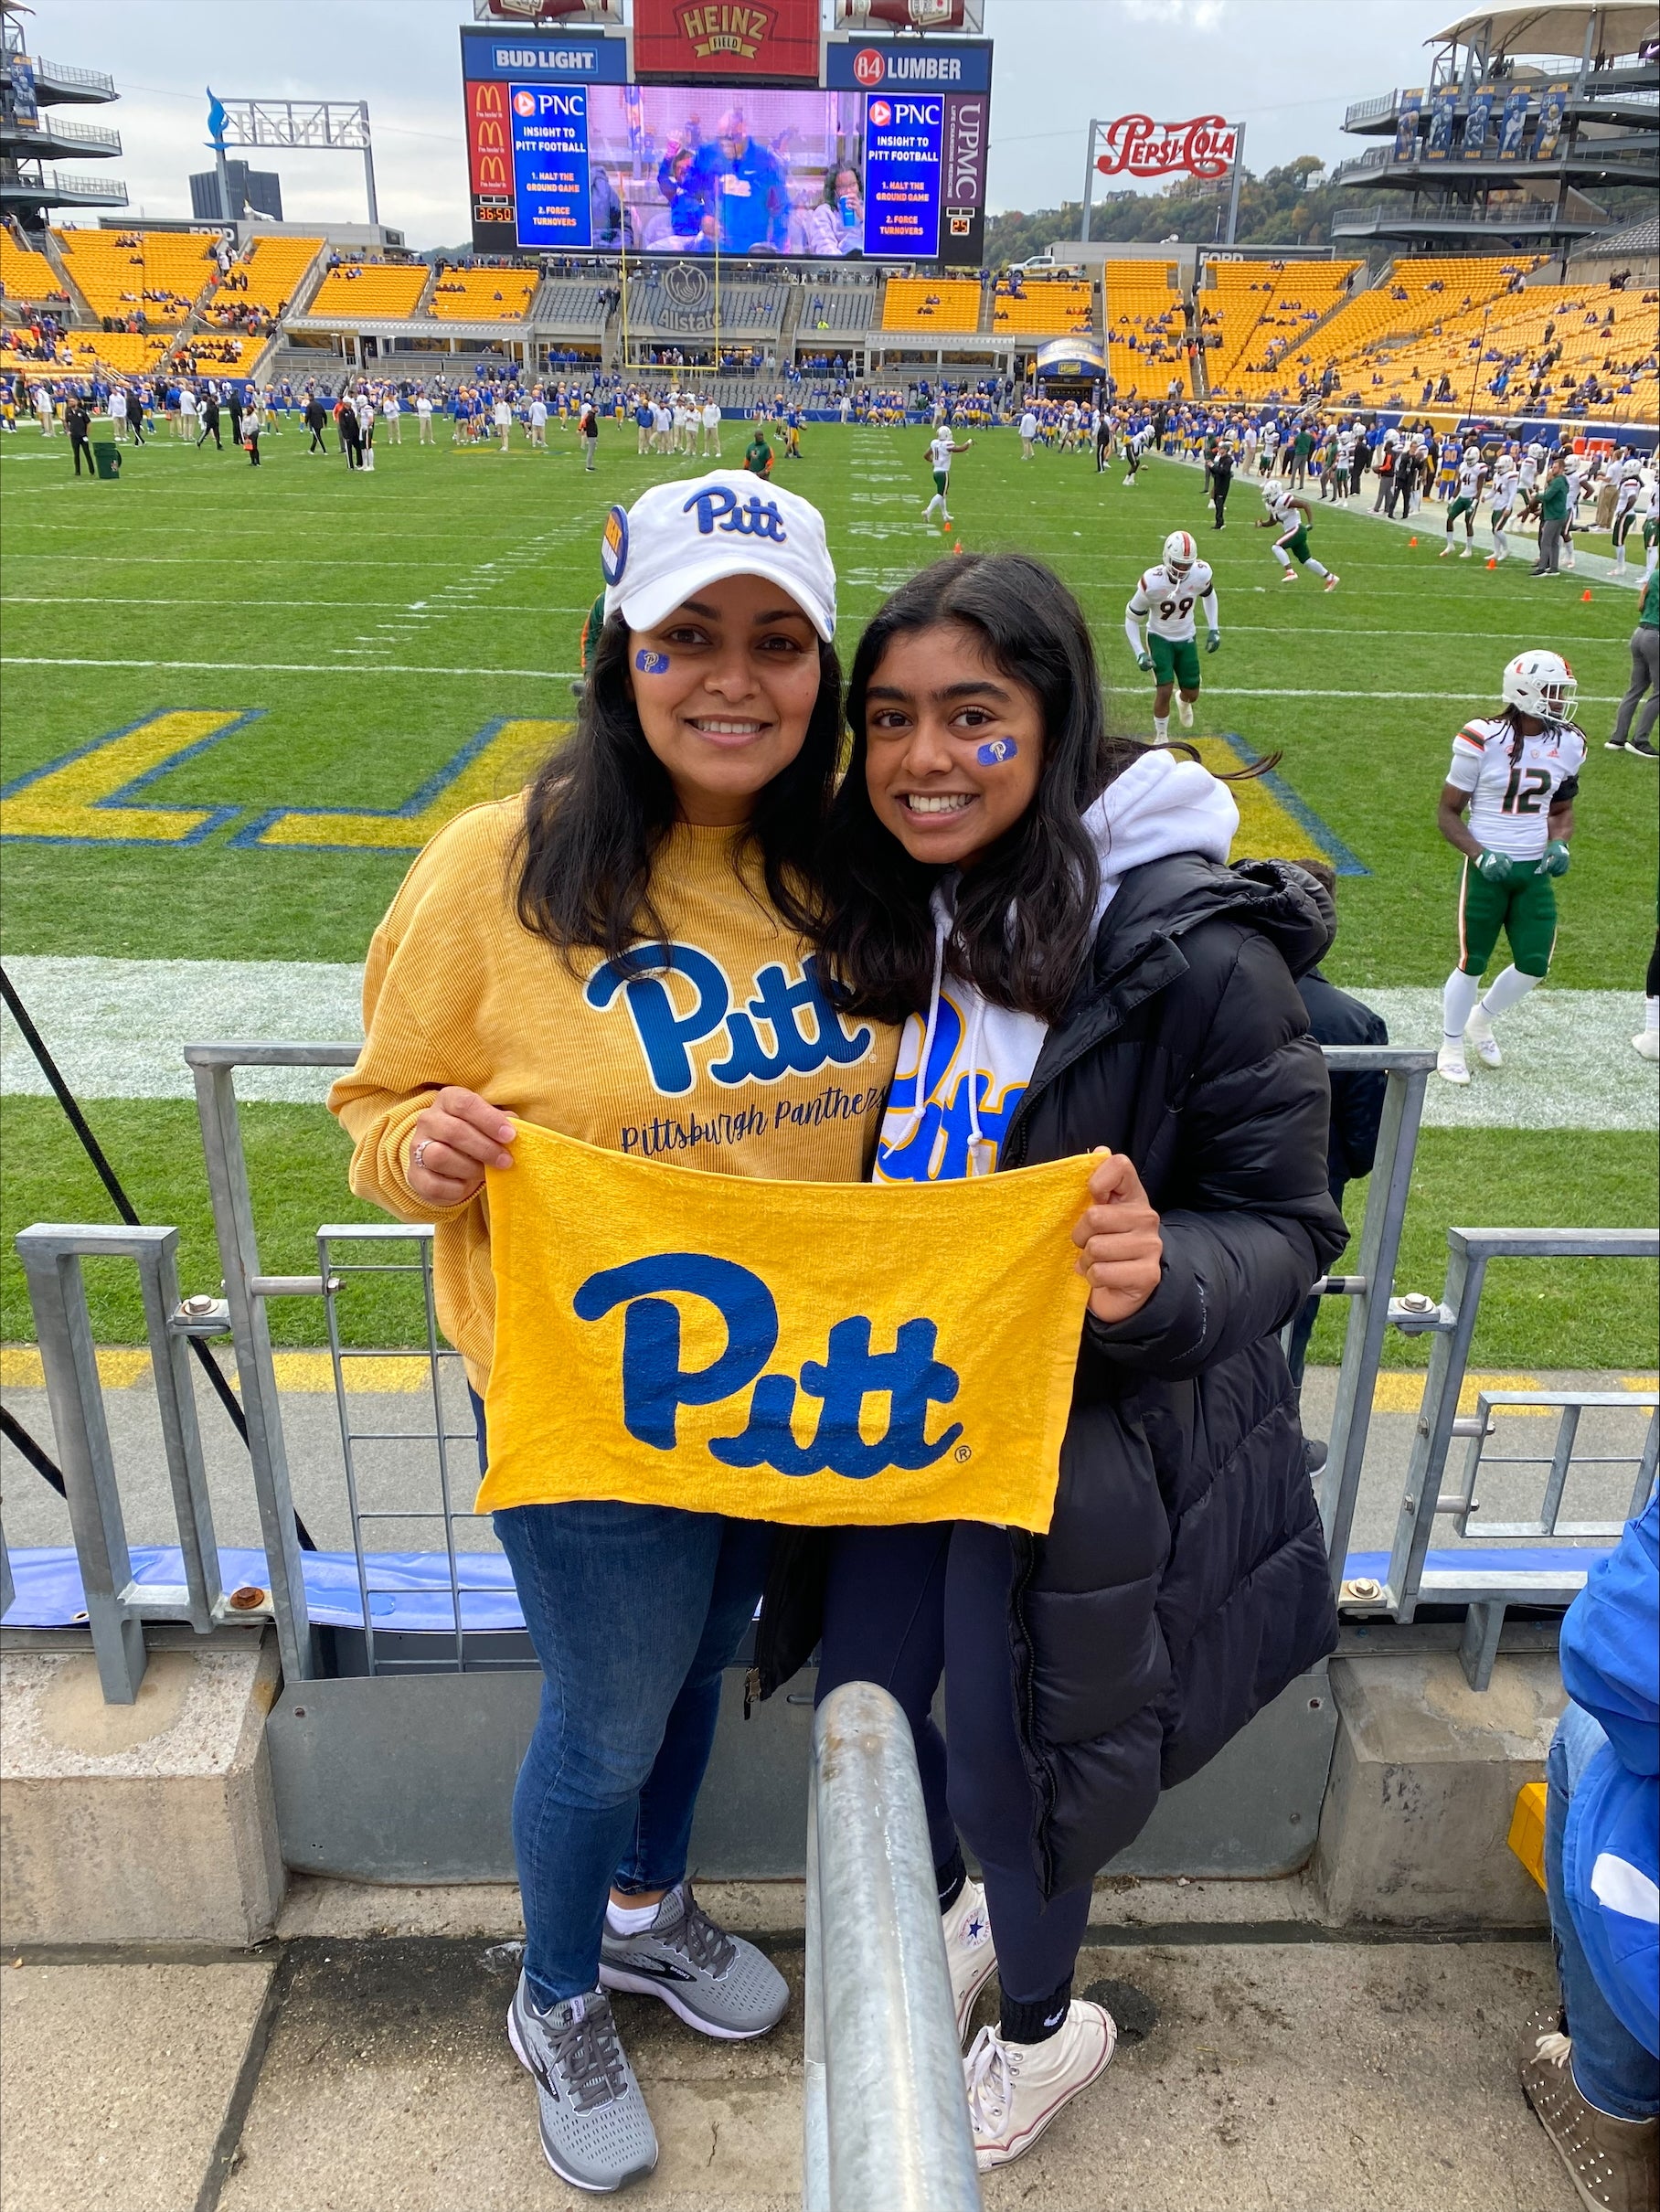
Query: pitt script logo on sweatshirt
x=789, y=1005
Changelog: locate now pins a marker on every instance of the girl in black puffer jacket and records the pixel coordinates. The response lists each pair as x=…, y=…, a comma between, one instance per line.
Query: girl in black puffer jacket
x=1051, y=913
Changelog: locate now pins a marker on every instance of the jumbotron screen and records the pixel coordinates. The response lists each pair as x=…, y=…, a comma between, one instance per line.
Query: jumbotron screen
x=890, y=166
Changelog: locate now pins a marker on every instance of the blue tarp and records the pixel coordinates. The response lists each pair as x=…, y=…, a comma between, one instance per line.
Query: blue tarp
x=409, y=1590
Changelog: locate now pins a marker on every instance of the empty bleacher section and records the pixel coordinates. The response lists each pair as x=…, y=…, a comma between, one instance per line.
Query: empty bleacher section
x=573, y=307
x=931, y=306
x=264, y=281
x=370, y=292
x=1146, y=330
x=833, y=313
x=27, y=279
x=663, y=304
x=1052, y=307
x=483, y=295
x=1252, y=315
x=121, y=274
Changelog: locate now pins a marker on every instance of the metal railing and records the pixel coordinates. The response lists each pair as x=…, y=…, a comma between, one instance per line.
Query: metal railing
x=95, y=81
x=93, y=136
x=884, y=2109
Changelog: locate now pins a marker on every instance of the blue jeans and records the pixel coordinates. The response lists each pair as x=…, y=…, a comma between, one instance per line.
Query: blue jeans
x=1611, y=2068
x=635, y=1611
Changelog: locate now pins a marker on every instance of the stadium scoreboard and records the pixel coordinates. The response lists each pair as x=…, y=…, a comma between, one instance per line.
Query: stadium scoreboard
x=884, y=159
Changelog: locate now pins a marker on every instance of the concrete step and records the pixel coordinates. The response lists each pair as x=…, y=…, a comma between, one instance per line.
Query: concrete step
x=346, y=2075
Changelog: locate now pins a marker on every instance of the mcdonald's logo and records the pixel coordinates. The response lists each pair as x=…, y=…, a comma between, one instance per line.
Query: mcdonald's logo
x=489, y=100
x=488, y=133
x=491, y=173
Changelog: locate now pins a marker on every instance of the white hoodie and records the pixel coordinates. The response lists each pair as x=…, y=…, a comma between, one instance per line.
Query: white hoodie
x=979, y=1058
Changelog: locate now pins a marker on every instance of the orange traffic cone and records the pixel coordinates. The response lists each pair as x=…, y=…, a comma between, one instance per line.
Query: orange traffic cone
x=958, y=547
x=1584, y=598
x=1492, y=560
x=1411, y=541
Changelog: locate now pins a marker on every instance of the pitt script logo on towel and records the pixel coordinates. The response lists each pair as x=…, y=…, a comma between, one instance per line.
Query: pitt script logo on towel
x=802, y=1352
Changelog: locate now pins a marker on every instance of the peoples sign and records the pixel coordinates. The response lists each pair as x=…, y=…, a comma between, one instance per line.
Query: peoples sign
x=1137, y=146
x=815, y=1352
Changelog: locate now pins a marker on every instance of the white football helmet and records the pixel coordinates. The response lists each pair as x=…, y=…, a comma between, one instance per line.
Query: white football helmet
x=1180, y=553
x=1541, y=685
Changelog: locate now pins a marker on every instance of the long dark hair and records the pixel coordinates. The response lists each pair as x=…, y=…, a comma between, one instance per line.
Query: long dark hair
x=602, y=805
x=1025, y=912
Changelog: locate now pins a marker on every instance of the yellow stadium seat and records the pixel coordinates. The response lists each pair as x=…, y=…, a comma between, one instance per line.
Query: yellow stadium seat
x=119, y=272
x=931, y=304
x=1051, y=307
x=274, y=268
x=26, y=279
x=483, y=295
x=371, y=290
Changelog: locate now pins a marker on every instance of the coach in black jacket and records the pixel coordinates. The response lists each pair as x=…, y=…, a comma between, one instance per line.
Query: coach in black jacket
x=1183, y=1582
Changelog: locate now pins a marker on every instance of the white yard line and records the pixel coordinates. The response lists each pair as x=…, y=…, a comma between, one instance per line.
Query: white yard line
x=118, y=1027
x=234, y=668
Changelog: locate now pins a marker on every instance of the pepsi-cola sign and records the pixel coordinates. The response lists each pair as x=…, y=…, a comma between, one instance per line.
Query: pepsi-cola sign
x=1135, y=146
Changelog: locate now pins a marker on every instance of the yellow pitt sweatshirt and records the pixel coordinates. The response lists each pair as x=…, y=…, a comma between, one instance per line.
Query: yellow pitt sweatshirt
x=730, y=1059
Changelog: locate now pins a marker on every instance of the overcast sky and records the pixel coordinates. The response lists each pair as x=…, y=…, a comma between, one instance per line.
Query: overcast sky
x=1284, y=68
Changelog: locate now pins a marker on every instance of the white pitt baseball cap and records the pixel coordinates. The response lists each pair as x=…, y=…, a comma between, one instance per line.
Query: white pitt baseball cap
x=678, y=536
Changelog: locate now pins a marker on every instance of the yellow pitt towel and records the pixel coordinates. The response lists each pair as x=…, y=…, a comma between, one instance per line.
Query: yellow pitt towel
x=815, y=1352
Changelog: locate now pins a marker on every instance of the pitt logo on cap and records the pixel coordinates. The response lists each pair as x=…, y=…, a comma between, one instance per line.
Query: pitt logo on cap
x=718, y=508
x=614, y=546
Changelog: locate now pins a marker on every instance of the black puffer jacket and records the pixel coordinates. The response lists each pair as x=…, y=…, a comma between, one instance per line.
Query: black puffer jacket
x=1183, y=1582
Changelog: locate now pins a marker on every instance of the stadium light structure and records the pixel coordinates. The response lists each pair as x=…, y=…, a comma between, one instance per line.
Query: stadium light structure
x=314, y=126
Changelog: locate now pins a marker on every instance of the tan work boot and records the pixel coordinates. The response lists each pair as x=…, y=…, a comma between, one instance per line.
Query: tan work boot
x=1614, y=2164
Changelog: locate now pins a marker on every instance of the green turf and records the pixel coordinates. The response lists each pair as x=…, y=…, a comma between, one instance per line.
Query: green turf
x=1570, y=1315
x=278, y=583
x=293, y=565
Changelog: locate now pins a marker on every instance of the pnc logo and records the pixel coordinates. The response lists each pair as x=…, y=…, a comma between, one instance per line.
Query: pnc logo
x=665, y=1034
x=718, y=508
x=524, y=103
x=909, y=1380
x=867, y=65
x=881, y=113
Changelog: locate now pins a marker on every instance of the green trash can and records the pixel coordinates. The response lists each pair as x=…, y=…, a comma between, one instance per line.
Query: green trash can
x=106, y=458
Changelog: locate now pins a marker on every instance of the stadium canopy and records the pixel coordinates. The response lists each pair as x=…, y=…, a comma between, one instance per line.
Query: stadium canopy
x=1078, y=359
x=1622, y=27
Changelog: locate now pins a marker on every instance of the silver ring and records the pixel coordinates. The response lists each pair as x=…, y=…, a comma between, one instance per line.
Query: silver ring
x=418, y=1158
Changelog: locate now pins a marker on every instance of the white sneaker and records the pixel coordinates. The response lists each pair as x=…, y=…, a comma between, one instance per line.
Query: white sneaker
x=1479, y=1031
x=1447, y=550
x=1468, y=553
x=1332, y=582
x=1647, y=1044
x=1288, y=576
x=1450, y=1061
x=1014, y=2089
x=969, y=1949
x=1184, y=713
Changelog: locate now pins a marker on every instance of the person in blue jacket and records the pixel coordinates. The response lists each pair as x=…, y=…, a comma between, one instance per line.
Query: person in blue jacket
x=1592, y=2073
x=744, y=180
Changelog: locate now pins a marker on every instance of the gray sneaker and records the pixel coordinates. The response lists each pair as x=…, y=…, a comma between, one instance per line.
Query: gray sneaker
x=596, y=2132
x=717, y=1983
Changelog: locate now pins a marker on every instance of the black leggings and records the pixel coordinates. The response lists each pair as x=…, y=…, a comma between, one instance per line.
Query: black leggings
x=903, y=1606
x=1651, y=988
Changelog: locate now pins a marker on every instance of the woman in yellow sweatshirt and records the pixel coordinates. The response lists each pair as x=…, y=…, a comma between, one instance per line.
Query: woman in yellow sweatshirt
x=625, y=955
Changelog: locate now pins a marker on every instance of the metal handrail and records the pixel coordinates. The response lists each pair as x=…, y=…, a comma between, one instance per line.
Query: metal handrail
x=885, y=2111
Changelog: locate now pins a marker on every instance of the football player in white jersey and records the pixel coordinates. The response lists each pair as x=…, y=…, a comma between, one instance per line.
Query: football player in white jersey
x=942, y=446
x=1516, y=775
x=1628, y=482
x=1472, y=469
x=1506, y=493
x=1165, y=600
x=1290, y=516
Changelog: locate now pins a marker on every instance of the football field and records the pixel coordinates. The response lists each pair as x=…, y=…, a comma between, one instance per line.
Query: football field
x=234, y=701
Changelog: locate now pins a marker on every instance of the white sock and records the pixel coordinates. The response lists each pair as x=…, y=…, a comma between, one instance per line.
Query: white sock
x=1161, y=727
x=1281, y=554
x=1315, y=565
x=1457, y=999
x=928, y=511
x=1506, y=990
x=1651, y=1014
x=629, y=1920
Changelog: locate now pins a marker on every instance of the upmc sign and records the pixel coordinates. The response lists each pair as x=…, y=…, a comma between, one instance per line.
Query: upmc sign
x=726, y=41
x=1137, y=146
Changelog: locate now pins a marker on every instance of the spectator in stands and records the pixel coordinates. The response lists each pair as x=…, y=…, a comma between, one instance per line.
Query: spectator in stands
x=634, y=1611
x=1040, y=987
x=1591, y=2068
x=835, y=226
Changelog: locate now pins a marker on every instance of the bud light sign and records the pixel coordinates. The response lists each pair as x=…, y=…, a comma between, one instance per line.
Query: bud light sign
x=549, y=132
x=904, y=136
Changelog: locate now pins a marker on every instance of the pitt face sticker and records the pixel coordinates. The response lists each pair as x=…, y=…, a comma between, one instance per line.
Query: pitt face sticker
x=651, y=663
x=995, y=754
